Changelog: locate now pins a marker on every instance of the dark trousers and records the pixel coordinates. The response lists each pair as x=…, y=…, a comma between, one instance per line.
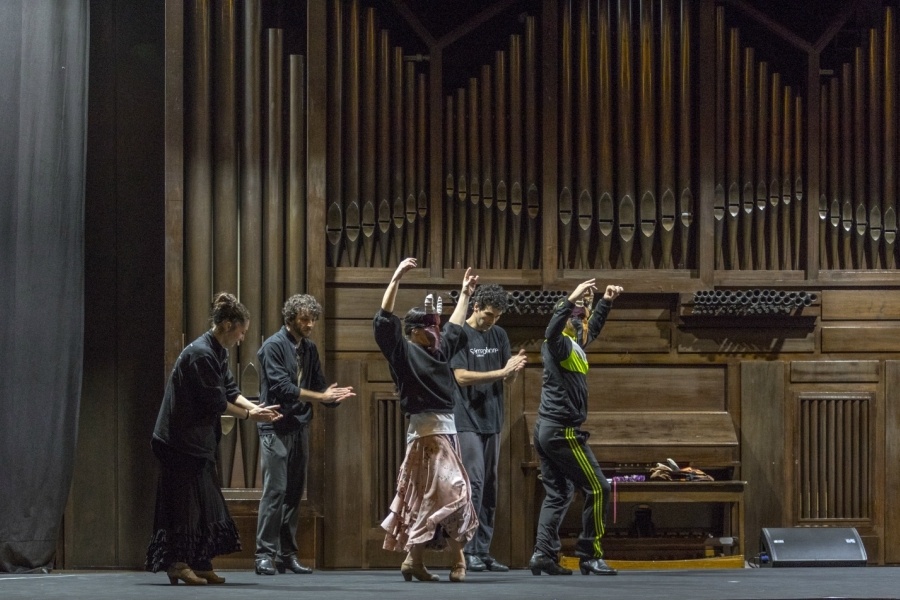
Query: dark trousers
x=283, y=458
x=566, y=462
x=480, y=455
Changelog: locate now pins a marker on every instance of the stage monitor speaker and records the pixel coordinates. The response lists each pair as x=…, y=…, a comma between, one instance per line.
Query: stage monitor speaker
x=811, y=547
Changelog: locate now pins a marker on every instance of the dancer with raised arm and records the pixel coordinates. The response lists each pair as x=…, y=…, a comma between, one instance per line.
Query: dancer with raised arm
x=433, y=503
x=566, y=459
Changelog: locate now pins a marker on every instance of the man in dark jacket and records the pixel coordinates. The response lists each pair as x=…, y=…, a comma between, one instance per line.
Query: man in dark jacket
x=566, y=459
x=291, y=378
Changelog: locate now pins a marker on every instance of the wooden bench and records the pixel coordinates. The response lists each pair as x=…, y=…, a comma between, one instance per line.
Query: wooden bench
x=631, y=442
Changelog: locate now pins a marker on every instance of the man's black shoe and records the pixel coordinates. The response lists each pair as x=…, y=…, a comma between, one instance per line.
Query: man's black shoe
x=293, y=565
x=493, y=564
x=265, y=566
x=540, y=562
x=474, y=563
x=596, y=566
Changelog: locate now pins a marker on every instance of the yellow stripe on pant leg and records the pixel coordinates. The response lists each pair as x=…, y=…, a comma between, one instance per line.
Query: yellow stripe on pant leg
x=588, y=469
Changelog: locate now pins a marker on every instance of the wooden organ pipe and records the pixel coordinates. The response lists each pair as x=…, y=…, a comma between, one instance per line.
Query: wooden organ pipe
x=225, y=200
x=777, y=113
x=295, y=230
x=647, y=213
x=747, y=191
x=860, y=173
x=667, y=136
x=421, y=174
x=565, y=138
x=627, y=216
x=409, y=159
x=501, y=190
x=461, y=181
x=398, y=231
x=799, y=213
x=787, y=131
x=384, y=148
x=198, y=165
x=846, y=167
x=834, y=171
x=889, y=199
x=449, y=185
x=762, y=192
x=604, y=166
x=585, y=203
x=719, y=199
x=516, y=149
x=368, y=133
x=532, y=196
x=824, y=186
x=733, y=166
x=685, y=165
x=473, y=254
x=874, y=151
x=273, y=210
x=350, y=143
x=487, y=237
x=251, y=180
x=334, y=217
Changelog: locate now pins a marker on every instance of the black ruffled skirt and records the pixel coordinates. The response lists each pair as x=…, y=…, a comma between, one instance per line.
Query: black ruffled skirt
x=191, y=524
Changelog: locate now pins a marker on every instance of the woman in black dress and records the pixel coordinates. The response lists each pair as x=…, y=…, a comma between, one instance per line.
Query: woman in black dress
x=192, y=524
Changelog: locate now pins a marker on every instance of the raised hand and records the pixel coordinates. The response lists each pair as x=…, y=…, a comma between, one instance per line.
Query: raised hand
x=584, y=286
x=470, y=281
x=404, y=266
x=612, y=292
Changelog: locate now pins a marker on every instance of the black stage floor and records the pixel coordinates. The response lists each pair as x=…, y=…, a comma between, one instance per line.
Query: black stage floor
x=785, y=583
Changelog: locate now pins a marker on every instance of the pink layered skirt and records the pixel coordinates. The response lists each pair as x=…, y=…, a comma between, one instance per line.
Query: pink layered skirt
x=434, y=497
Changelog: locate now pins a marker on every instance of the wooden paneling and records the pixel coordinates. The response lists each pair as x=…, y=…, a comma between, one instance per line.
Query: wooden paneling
x=891, y=457
x=703, y=438
x=835, y=371
x=657, y=388
x=745, y=341
x=763, y=446
x=660, y=388
x=346, y=501
x=860, y=305
x=880, y=337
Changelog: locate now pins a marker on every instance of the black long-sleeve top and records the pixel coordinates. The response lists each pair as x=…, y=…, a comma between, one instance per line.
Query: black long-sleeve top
x=197, y=393
x=425, y=382
x=286, y=366
x=564, y=392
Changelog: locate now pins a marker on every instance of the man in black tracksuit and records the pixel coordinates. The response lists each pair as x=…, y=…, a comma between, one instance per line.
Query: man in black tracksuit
x=566, y=459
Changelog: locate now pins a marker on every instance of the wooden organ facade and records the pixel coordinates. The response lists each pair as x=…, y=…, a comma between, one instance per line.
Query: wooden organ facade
x=702, y=154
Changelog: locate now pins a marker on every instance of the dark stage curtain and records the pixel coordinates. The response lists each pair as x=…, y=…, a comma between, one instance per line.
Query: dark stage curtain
x=43, y=99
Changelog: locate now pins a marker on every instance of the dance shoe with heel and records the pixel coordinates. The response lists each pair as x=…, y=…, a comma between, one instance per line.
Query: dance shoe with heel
x=541, y=563
x=492, y=564
x=180, y=571
x=474, y=563
x=409, y=570
x=597, y=566
x=458, y=572
x=293, y=565
x=210, y=577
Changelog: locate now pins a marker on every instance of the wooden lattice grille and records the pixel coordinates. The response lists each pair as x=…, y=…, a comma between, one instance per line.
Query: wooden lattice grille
x=391, y=444
x=834, y=457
